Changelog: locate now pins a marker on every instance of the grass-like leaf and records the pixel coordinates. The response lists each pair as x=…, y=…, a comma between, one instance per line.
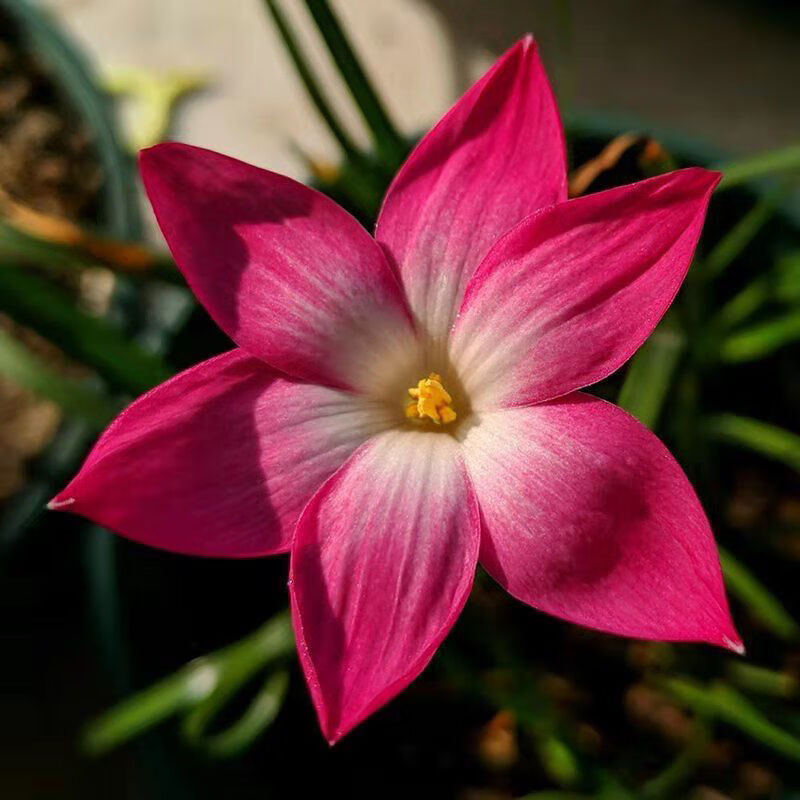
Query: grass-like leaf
x=650, y=373
x=722, y=702
x=768, y=440
x=93, y=341
x=389, y=144
x=199, y=685
x=761, y=603
x=760, y=341
x=781, y=160
x=76, y=398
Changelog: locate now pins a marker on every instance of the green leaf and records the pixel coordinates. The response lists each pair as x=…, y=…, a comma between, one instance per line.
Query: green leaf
x=742, y=305
x=725, y=704
x=682, y=767
x=310, y=82
x=148, y=708
x=760, y=602
x=217, y=675
x=752, y=434
x=743, y=232
x=22, y=249
x=33, y=302
x=18, y=247
x=650, y=373
x=785, y=159
x=759, y=341
x=260, y=714
x=781, y=284
x=558, y=760
x=389, y=144
x=787, y=278
x=761, y=680
x=77, y=398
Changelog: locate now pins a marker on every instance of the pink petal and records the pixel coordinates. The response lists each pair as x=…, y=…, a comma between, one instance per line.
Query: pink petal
x=220, y=460
x=382, y=563
x=496, y=156
x=290, y=276
x=588, y=517
x=573, y=291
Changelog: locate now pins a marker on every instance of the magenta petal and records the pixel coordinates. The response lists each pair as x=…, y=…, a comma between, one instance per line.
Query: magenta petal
x=572, y=292
x=290, y=276
x=588, y=517
x=497, y=156
x=382, y=563
x=220, y=460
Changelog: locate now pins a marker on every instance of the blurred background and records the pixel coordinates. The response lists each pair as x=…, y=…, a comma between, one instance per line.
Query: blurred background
x=99, y=638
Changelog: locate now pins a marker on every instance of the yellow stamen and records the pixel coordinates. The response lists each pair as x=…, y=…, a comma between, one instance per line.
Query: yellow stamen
x=431, y=401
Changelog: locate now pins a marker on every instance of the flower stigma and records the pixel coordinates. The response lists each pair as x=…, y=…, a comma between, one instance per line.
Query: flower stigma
x=431, y=401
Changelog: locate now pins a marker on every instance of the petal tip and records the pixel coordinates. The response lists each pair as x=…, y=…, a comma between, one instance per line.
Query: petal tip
x=160, y=156
x=58, y=503
x=734, y=645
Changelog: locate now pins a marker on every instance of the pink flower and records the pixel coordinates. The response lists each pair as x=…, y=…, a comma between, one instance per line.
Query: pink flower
x=402, y=407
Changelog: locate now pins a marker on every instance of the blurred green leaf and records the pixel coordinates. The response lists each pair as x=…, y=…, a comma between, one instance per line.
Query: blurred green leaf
x=734, y=173
x=20, y=248
x=786, y=281
x=683, y=766
x=558, y=759
x=781, y=284
x=217, y=675
x=137, y=714
x=45, y=474
x=752, y=434
x=761, y=603
x=306, y=74
x=761, y=680
x=725, y=704
x=743, y=232
x=761, y=340
x=650, y=373
x=389, y=144
x=260, y=714
x=33, y=302
x=75, y=397
x=742, y=305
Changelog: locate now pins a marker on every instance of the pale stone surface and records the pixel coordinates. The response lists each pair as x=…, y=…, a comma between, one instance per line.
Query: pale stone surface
x=255, y=107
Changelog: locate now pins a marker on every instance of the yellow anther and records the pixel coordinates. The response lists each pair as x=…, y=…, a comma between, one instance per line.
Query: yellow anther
x=432, y=401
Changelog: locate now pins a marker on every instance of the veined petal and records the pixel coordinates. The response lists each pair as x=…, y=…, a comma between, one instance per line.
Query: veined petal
x=382, y=563
x=497, y=156
x=290, y=276
x=573, y=291
x=588, y=517
x=220, y=460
